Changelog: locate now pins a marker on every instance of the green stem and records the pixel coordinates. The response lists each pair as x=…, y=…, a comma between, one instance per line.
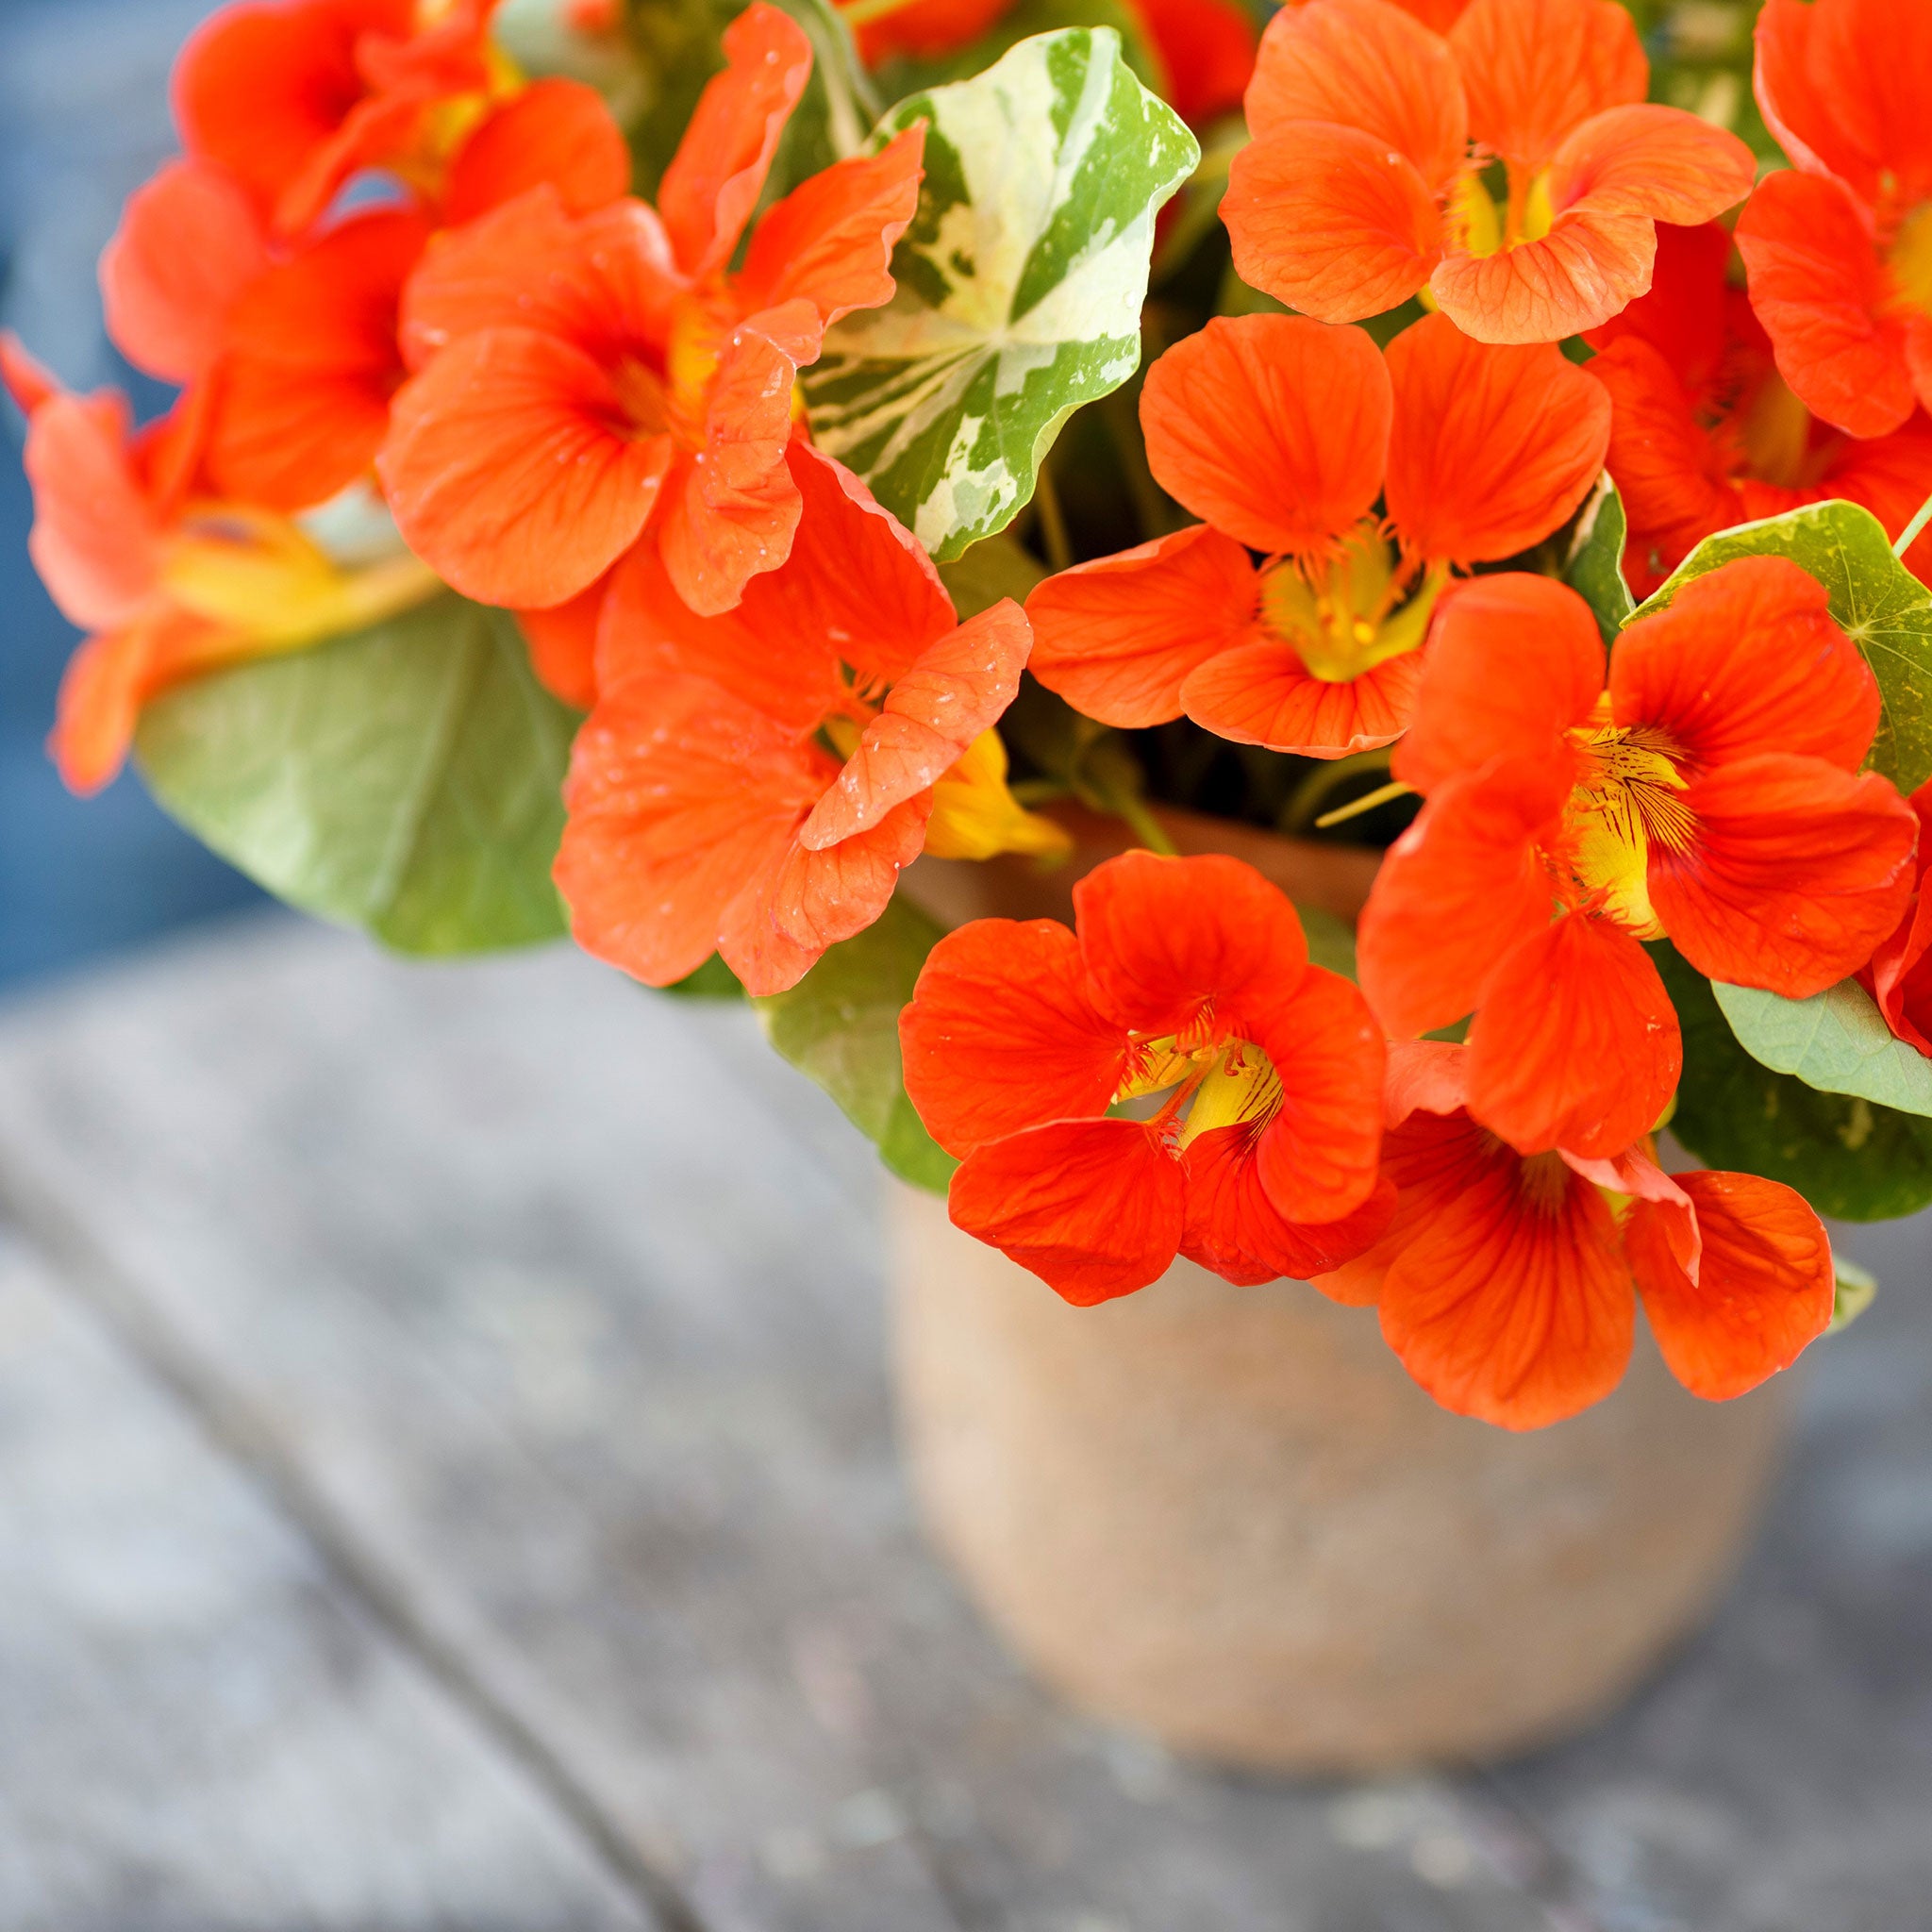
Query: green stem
x=1053, y=521
x=1134, y=814
x=1910, y=535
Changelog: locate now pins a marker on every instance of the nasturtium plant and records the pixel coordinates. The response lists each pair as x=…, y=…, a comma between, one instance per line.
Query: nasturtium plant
x=1878, y=601
x=840, y=1027
x=1848, y=1156
x=687, y=358
x=405, y=778
x=1019, y=285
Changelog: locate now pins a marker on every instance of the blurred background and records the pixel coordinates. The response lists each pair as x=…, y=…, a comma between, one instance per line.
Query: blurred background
x=83, y=117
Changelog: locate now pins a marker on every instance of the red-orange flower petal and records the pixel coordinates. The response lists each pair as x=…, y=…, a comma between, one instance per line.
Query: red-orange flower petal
x=678, y=795
x=957, y=689
x=1235, y=1229
x=1273, y=427
x=563, y=644
x=1367, y=65
x=1492, y=448
x=555, y=130
x=777, y=930
x=733, y=511
x=1207, y=48
x=1798, y=107
x=1318, y=1158
x=1748, y=659
x=1674, y=480
x=303, y=396
x=1001, y=1033
x=190, y=243
x=260, y=87
x=925, y=27
x=604, y=282
x=1323, y=218
x=1095, y=1209
x=1514, y=661
x=831, y=241
x=1534, y=69
x=1575, y=1044
x=1168, y=941
x=1797, y=869
x=95, y=539
x=1261, y=693
x=1461, y=888
x=1588, y=266
x=506, y=470
x=1764, y=1286
x=715, y=180
x=1821, y=291
x=1511, y=1301
x=1118, y=637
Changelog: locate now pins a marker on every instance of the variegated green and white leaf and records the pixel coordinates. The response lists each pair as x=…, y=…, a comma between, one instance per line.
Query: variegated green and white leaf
x=1021, y=282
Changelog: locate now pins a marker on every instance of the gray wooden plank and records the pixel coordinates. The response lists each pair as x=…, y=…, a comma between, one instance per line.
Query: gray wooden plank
x=562, y=1301
x=198, y=1727
x=1778, y=1778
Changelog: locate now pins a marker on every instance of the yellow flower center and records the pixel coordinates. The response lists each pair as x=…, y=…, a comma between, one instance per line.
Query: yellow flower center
x=1213, y=1083
x=1911, y=260
x=1343, y=612
x=1627, y=800
x=1484, y=229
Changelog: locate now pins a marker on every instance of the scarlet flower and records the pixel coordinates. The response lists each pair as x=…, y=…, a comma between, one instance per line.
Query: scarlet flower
x=292, y=97
x=1365, y=181
x=1282, y=433
x=1900, y=974
x=170, y=583
x=1706, y=434
x=294, y=338
x=1205, y=47
x=1185, y=978
x=1507, y=1284
x=1712, y=792
x=1838, y=251
x=705, y=810
x=583, y=380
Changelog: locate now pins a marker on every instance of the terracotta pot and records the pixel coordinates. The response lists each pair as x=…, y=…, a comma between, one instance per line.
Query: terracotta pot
x=1225, y=1515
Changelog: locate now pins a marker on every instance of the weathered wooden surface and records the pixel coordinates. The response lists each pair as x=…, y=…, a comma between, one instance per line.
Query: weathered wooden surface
x=542, y=1318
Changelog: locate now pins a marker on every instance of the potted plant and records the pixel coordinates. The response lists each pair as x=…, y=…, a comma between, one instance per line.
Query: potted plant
x=1084, y=556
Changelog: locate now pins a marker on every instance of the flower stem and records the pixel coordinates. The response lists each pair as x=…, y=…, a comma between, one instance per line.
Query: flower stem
x=1053, y=521
x=1910, y=535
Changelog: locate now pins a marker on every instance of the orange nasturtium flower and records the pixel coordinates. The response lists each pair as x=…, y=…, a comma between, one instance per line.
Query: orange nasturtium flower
x=1711, y=794
x=293, y=97
x=170, y=582
x=1368, y=177
x=1282, y=433
x=584, y=381
x=1508, y=1283
x=1705, y=433
x=1187, y=992
x=1838, y=249
x=294, y=338
x=753, y=783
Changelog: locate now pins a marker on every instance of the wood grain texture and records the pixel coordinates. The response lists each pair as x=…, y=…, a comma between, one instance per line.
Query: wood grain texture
x=552, y=1311
x=199, y=1726
x=561, y=1304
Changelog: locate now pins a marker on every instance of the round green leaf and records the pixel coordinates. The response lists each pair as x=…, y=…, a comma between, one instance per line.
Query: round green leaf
x=405, y=778
x=1848, y=1156
x=1837, y=1040
x=1878, y=601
